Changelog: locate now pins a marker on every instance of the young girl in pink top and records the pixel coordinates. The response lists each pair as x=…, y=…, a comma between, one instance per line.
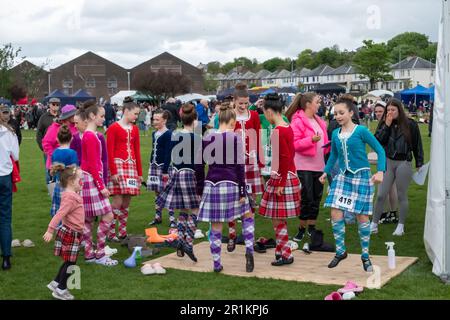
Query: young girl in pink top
x=68, y=237
x=310, y=144
x=95, y=194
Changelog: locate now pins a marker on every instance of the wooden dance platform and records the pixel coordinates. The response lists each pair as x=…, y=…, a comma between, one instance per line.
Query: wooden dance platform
x=306, y=268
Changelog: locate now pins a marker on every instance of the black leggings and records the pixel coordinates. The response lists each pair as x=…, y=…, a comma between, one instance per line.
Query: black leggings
x=312, y=191
x=62, y=275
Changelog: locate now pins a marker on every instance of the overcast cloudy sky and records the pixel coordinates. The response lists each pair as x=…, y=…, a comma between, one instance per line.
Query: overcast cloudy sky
x=133, y=31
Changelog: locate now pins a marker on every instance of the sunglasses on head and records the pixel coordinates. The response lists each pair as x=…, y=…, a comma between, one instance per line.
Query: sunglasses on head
x=5, y=112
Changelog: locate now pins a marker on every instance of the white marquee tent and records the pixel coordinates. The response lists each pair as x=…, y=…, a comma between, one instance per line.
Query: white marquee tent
x=118, y=97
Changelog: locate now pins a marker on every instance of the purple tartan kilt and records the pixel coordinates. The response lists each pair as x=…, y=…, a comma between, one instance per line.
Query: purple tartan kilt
x=220, y=202
x=157, y=171
x=95, y=204
x=180, y=192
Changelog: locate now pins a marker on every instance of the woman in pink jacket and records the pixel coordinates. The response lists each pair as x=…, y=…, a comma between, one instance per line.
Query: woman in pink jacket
x=311, y=144
x=50, y=143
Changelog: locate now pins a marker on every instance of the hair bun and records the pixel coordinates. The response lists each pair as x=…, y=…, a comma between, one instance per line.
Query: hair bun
x=187, y=108
x=225, y=106
x=272, y=97
x=128, y=99
x=240, y=86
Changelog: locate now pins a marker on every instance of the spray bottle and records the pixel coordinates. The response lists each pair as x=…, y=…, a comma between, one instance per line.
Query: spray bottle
x=391, y=254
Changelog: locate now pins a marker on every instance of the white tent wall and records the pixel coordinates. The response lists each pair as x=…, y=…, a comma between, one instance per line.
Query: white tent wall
x=437, y=221
x=119, y=96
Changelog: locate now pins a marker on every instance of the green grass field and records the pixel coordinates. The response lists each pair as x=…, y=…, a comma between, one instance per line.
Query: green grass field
x=33, y=268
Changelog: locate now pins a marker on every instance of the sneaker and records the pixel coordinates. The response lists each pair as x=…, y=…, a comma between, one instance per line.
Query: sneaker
x=373, y=228
x=198, y=234
x=52, y=285
x=399, y=231
x=155, y=222
x=172, y=224
x=62, y=294
x=300, y=235
x=110, y=251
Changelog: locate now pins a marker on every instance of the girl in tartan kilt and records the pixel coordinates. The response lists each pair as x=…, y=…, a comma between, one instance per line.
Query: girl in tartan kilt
x=95, y=194
x=281, y=199
x=248, y=127
x=352, y=189
x=159, y=169
x=185, y=185
x=62, y=155
x=224, y=197
x=125, y=167
x=68, y=237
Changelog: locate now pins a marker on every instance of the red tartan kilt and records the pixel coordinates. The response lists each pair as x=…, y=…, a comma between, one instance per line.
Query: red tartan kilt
x=125, y=170
x=285, y=206
x=67, y=244
x=254, y=179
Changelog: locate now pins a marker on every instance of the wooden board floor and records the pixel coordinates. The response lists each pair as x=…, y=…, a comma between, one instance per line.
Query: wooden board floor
x=306, y=268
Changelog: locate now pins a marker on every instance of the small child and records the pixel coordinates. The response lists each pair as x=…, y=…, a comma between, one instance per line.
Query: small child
x=158, y=172
x=62, y=155
x=281, y=199
x=352, y=189
x=68, y=237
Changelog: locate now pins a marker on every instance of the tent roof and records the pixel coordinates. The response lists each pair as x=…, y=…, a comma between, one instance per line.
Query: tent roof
x=57, y=94
x=82, y=94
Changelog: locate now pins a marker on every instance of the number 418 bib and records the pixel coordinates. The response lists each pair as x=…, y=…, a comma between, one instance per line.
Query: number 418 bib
x=343, y=201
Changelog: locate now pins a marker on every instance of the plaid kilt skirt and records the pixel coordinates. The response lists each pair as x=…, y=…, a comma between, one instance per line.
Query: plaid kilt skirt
x=67, y=244
x=180, y=192
x=155, y=173
x=56, y=200
x=220, y=202
x=95, y=204
x=351, y=193
x=129, y=182
x=285, y=206
x=253, y=179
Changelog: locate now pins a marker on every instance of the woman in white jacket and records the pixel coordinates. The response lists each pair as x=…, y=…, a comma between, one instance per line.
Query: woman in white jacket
x=9, y=148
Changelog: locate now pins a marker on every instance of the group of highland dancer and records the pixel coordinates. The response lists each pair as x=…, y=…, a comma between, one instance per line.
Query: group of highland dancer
x=89, y=171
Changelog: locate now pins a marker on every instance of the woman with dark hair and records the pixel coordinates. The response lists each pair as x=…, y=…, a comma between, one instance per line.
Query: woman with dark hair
x=400, y=137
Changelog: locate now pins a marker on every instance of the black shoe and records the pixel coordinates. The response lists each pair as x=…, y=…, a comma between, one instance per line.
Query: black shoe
x=250, y=263
x=394, y=218
x=190, y=254
x=231, y=245
x=367, y=265
x=300, y=235
x=336, y=260
x=155, y=222
x=219, y=270
x=259, y=247
x=282, y=261
x=383, y=218
x=6, y=265
x=277, y=256
x=180, y=250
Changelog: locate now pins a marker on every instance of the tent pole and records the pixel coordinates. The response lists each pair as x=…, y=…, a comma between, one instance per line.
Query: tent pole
x=445, y=82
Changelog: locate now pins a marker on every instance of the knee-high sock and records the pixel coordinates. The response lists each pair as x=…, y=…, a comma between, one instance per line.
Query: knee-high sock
x=158, y=212
x=123, y=218
x=215, y=242
x=339, y=236
x=87, y=238
x=249, y=234
x=364, y=238
x=182, y=225
x=171, y=215
x=232, y=230
x=102, y=231
x=281, y=233
x=112, y=230
x=190, y=232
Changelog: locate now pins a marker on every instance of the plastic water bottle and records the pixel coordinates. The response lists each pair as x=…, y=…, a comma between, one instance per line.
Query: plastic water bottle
x=391, y=255
x=138, y=256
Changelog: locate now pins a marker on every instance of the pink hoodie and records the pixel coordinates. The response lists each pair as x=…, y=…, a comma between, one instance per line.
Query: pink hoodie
x=50, y=142
x=303, y=132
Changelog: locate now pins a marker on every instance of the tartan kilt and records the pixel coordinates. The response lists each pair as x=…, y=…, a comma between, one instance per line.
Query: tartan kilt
x=356, y=188
x=180, y=192
x=254, y=179
x=157, y=171
x=67, y=244
x=56, y=200
x=220, y=202
x=94, y=203
x=125, y=170
x=285, y=206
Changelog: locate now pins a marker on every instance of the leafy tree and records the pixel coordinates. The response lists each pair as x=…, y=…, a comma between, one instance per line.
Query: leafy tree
x=214, y=67
x=407, y=44
x=33, y=77
x=372, y=60
x=305, y=59
x=274, y=64
x=430, y=53
x=210, y=84
x=8, y=57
